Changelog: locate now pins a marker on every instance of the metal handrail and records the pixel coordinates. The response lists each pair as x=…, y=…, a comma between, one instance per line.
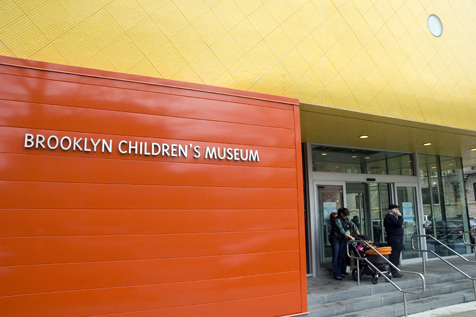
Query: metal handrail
x=359, y=258
x=469, y=244
x=442, y=259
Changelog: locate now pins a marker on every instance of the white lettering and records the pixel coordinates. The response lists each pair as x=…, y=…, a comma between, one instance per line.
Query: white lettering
x=29, y=140
x=66, y=148
x=173, y=151
x=196, y=151
x=95, y=144
x=254, y=157
x=236, y=156
x=165, y=149
x=155, y=149
x=230, y=154
x=119, y=147
x=211, y=154
x=145, y=149
x=76, y=144
x=107, y=146
x=86, y=145
x=132, y=147
x=241, y=155
x=40, y=139
x=53, y=137
x=183, y=150
x=221, y=157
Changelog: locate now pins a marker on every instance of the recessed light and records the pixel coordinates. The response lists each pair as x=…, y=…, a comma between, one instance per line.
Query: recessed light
x=324, y=154
x=427, y=144
x=354, y=156
x=367, y=157
x=363, y=136
x=473, y=150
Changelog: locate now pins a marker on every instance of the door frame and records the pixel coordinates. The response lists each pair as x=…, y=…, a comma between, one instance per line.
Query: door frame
x=325, y=178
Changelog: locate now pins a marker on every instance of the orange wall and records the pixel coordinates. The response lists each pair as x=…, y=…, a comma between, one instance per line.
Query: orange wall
x=94, y=233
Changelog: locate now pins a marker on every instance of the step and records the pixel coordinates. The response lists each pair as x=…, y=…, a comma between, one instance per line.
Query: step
x=415, y=306
x=366, y=287
x=379, y=297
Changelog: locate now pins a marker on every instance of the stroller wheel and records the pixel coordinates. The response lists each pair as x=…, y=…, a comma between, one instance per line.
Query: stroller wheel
x=354, y=274
x=375, y=279
x=389, y=275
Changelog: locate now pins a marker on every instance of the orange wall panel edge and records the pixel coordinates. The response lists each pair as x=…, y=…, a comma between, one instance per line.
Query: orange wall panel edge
x=130, y=195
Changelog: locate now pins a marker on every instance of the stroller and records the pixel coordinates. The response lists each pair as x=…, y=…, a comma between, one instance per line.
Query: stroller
x=361, y=251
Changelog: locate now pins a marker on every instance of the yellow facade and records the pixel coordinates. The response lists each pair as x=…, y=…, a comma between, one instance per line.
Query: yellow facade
x=371, y=57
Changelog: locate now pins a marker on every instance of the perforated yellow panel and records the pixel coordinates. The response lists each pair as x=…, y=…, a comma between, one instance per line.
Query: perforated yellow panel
x=371, y=56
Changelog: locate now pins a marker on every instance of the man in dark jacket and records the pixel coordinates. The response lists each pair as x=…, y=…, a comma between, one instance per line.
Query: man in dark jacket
x=393, y=223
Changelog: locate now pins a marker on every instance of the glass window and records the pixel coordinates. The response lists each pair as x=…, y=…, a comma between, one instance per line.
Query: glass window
x=360, y=161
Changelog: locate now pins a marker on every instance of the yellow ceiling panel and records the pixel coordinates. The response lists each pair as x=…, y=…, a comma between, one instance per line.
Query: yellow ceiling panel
x=245, y=35
x=375, y=50
x=80, y=10
x=207, y=66
x=150, y=6
x=295, y=30
x=145, y=68
x=22, y=37
x=295, y=64
x=192, y=9
x=4, y=51
x=123, y=54
x=362, y=31
x=363, y=94
x=363, y=5
x=49, y=54
x=349, y=12
x=189, y=43
x=169, y=19
x=9, y=13
x=187, y=74
x=364, y=62
x=227, y=50
x=167, y=60
x=338, y=90
x=384, y=9
x=209, y=28
x=352, y=75
x=279, y=9
x=228, y=13
x=337, y=24
x=226, y=80
x=310, y=16
x=244, y=73
x=263, y=21
x=101, y=29
x=212, y=3
x=310, y=50
x=280, y=42
x=147, y=36
x=99, y=61
x=262, y=57
x=28, y=5
x=248, y=6
x=126, y=12
x=350, y=43
x=374, y=20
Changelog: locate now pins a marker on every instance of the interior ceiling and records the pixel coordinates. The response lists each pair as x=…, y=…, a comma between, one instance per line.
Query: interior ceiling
x=327, y=125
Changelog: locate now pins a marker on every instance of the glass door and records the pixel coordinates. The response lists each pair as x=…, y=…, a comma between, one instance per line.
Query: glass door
x=407, y=200
x=329, y=199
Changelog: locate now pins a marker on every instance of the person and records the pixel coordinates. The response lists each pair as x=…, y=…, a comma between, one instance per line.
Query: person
x=393, y=223
x=340, y=232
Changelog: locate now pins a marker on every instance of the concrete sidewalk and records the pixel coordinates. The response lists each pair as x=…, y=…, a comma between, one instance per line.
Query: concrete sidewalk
x=461, y=310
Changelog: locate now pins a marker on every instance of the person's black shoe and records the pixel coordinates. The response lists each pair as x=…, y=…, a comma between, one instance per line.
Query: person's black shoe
x=338, y=278
x=397, y=275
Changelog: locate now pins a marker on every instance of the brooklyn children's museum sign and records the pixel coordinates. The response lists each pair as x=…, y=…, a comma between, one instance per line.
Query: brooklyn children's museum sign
x=125, y=147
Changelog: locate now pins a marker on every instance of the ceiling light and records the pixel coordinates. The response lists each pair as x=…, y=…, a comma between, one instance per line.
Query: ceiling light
x=367, y=157
x=324, y=154
x=363, y=136
x=427, y=144
x=354, y=156
x=472, y=150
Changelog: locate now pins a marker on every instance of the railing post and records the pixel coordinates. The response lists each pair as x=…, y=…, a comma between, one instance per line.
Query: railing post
x=358, y=272
x=474, y=287
x=423, y=255
x=405, y=303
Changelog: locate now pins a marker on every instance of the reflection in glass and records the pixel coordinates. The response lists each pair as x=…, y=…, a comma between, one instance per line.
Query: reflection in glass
x=360, y=161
